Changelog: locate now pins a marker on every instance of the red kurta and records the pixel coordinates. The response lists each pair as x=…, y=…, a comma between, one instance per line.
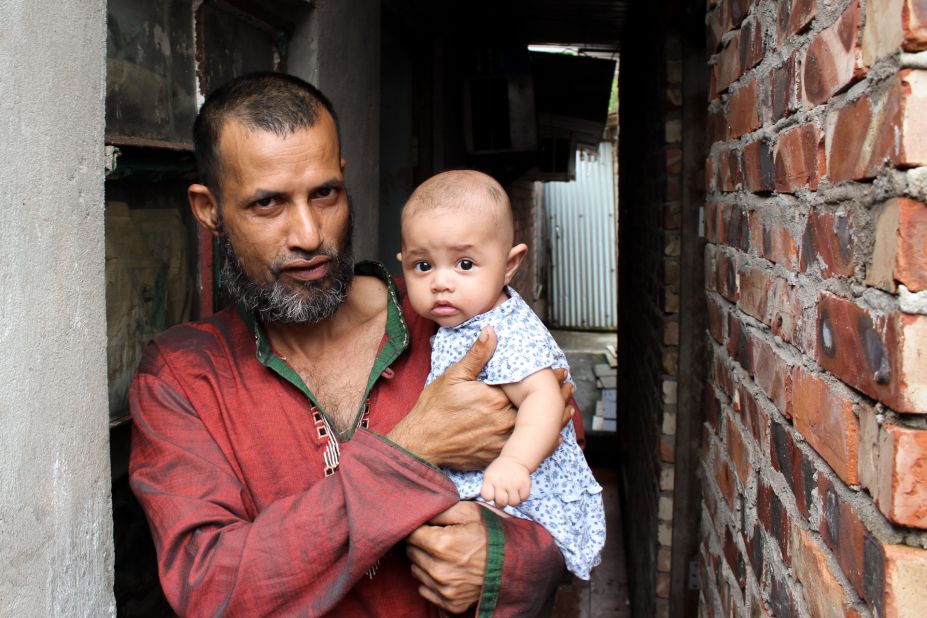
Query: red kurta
x=233, y=464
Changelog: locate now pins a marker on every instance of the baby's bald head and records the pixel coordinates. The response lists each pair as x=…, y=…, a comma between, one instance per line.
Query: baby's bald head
x=471, y=193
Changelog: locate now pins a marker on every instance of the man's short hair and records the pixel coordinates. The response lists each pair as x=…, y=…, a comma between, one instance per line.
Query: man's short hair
x=265, y=101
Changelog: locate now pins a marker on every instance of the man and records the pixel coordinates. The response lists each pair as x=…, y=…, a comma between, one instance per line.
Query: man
x=283, y=449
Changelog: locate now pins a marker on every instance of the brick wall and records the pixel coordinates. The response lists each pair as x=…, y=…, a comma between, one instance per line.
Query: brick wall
x=650, y=161
x=814, y=452
x=526, y=197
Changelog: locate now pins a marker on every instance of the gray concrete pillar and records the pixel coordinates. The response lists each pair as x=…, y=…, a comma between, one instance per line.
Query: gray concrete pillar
x=56, y=533
x=337, y=48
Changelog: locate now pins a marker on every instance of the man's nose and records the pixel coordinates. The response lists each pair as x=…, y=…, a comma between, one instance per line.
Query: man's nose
x=304, y=231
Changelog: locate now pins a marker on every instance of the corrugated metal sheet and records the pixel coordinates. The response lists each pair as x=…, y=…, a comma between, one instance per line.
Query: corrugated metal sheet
x=582, y=225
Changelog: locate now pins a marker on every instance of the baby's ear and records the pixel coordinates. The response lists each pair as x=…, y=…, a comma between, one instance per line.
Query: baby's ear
x=516, y=255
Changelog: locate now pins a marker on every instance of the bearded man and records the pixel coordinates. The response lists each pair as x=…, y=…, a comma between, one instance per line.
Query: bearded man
x=283, y=449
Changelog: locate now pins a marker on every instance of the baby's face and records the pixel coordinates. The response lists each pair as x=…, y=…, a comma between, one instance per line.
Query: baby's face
x=455, y=264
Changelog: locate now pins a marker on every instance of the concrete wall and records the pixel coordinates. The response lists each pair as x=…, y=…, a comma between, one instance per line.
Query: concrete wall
x=56, y=542
x=337, y=48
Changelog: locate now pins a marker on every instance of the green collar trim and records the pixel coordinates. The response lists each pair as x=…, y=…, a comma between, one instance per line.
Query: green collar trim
x=397, y=340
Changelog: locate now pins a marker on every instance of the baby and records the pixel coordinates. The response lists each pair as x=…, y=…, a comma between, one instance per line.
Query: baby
x=458, y=258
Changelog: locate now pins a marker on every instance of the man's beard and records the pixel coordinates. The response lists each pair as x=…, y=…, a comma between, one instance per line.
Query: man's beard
x=298, y=302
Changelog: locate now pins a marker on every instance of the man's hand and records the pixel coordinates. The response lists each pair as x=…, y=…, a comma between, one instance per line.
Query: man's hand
x=506, y=481
x=448, y=557
x=459, y=422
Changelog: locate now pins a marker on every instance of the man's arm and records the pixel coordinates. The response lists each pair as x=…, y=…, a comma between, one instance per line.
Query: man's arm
x=469, y=554
x=217, y=554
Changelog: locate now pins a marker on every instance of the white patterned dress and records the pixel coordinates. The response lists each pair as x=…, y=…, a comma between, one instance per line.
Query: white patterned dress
x=565, y=497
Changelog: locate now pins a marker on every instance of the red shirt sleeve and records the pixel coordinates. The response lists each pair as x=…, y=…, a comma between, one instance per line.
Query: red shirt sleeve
x=217, y=555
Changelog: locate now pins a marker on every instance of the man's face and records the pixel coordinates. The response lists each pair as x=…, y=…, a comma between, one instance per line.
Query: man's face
x=284, y=221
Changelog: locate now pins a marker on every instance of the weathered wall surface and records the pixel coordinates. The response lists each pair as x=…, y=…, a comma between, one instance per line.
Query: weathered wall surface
x=649, y=278
x=815, y=447
x=338, y=49
x=55, y=519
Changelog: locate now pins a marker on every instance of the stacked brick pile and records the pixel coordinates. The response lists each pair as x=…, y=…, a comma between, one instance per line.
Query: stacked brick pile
x=815, y=445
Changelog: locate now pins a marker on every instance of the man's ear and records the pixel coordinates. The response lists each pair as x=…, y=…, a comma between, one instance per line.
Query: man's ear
x=516, y=255
x=399, y=256
x=205, y=207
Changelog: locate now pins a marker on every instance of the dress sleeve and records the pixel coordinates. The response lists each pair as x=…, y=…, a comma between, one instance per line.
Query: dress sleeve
x=523, y=567
x=216, y=555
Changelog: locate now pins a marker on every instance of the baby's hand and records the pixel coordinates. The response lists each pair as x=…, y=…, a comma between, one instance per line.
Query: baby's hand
x=506, y=482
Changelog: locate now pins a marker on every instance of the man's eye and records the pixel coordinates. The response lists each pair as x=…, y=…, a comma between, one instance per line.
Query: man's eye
x=264, y=202
x=465, y=264
x=422, y=267
x=324, y=192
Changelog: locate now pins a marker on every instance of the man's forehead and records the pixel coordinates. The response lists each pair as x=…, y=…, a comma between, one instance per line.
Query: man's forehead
x=238, y=133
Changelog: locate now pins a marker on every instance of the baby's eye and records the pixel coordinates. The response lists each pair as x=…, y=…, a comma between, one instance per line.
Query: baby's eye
x=465, y=264
x=422, y=267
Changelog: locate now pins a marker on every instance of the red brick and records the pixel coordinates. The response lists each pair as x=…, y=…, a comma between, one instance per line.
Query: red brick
x=727, y=69
x=751, y=44
x=724, y=477
x=796, y=159
x=797, y=470
x=673, y=160
x=844, y=533
x=773, y=240
x=725, y=277
x=716, y=319
x=739, y=10
x=752, y=416
x=834, y=59
x=738, y=343
x=793, y=16
x=784, y=89
x=883, y=33
x=824, y=417
x=734, y=558
x=721, y=376
x=670, y=332
x=899, y=254
x=769, y=299
x=887, y=127
x=899, y=486
x=713, y=225
x=828, y=242
x=729, y=175
x=711, y=179
x=742, y=111
x=880, y=354
x=775, y=518
x=667, y=448
x=824, y=596
x=715, y=128
x=913, y=119
x=736, y=231
x=780, y=599
x=861, y=136
x=911, y=263
x=719, y=23
x=738, y=453
x=772, y=373
x=915, y=25
x=905, y=574
x=759, y=172
x=672, y=215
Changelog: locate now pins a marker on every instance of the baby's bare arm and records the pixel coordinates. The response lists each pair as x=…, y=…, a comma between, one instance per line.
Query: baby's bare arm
x=539, y=419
